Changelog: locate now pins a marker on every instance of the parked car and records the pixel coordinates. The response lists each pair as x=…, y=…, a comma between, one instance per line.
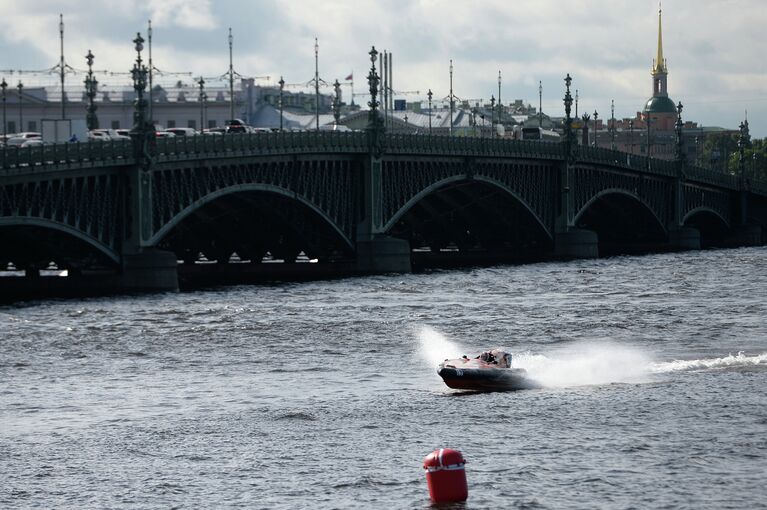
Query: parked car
x=164, y=134
x=106, y=134
x=182, y=131
x=18, y=139
x=31, y=142
x=214, y=131
x=237, y=126
x=123, y=132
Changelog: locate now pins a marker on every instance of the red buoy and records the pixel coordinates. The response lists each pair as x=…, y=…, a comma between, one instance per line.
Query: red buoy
x=446, y=476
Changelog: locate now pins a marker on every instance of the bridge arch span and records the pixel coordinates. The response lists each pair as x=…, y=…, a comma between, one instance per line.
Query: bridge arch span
x=471, y=216
x=239, y=218
x=713, y=227
x=436, y=186
x=624, y=223
x=64, y=232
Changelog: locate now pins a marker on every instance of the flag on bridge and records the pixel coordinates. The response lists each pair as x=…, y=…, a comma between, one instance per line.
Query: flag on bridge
x=350, y=77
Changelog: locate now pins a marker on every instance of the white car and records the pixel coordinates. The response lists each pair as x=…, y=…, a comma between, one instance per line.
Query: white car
x=18, y=139
x=106, y=134
x=165, y=134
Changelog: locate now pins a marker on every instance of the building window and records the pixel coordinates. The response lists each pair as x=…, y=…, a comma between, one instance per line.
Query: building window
x=32, y=125
x=171, y=123
x=115, y=124
x=192, y=124
x=211, y=124
x=12, y=126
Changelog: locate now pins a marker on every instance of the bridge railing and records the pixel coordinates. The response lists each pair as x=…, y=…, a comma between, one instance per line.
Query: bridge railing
x=401, y=143
x=186, y=147
x=41, y=157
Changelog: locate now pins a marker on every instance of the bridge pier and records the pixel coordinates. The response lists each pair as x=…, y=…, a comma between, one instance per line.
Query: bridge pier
x=684, y=239
x=383, y=254
x=745, y=235
x=576, y=244
x=153, y=271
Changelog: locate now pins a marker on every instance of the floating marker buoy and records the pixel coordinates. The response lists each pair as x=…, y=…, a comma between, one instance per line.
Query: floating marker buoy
x=446, y=476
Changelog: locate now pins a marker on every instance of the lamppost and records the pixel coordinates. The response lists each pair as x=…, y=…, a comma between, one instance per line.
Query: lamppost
x=540, y=104
x=282, y=88
x=568, y=100
x=474, y=121
x=139, y=74
x=3, y=86
x=231, y=77
x=337, y=102
x=62, y=66
x=596, y=127
x=678, y=128
x=500, y=108
x=90, y=93
x=316, y=84
x=20, y=86
x=406, y=126
x=612, y=124
x=429, y=95
x=452, y=103
x=201, y=83
x=631, y=135
x=492, y=116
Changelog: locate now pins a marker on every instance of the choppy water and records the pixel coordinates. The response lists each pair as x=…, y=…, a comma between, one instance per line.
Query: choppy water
x=325, y=394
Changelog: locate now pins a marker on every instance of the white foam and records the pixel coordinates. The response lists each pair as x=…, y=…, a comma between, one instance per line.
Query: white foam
x=729, y=361
x=435, y=347
x=585, y=364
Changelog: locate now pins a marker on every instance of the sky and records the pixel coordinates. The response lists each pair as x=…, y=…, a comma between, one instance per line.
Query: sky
x=714, y=48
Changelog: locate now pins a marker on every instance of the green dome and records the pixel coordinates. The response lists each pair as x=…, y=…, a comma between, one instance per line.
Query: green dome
x=659, y=105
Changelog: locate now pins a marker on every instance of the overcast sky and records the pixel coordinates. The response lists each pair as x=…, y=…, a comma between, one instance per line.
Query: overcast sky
x=715, y=48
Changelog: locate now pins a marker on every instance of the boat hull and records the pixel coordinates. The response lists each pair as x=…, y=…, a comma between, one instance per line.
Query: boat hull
x=484, y=379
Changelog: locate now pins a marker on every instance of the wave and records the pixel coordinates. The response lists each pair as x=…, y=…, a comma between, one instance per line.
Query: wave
x=730, y=361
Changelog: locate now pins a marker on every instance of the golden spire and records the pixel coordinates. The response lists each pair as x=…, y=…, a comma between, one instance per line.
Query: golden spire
x=659, y=64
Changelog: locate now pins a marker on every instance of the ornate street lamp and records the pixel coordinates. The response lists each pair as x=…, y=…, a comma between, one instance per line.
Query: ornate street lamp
x=492, y=115
x=282, y=88
x=139, y=74
x=373, y=81
x=90, y=92
x=3, y=86
x=429, y=95
x=576, y=103
x=231, y=77
x=452, y=103
x=568, y=100
x=678, y=128
x=540, y=104
x=631, y=135
x=201, y=83
x=20, y=86
x=500, y=107
x=596, y=127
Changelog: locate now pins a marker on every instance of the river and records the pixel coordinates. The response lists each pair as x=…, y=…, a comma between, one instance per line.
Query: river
x=325, y=395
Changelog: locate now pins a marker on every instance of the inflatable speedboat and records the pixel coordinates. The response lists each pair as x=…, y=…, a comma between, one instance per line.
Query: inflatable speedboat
x=484, y=373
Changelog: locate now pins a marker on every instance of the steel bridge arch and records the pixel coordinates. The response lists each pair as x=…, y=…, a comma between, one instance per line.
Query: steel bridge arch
x=459, y=178
x=701, y=209
x=230, y=190
x=62, y=227
x=619, y=191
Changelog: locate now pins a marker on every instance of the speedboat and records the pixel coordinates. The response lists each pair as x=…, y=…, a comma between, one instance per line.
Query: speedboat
x=483, y=374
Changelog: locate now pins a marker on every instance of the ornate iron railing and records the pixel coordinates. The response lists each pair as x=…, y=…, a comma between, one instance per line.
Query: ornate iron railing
x=21, y=160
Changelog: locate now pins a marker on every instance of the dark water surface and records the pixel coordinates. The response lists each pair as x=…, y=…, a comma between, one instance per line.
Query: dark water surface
x=325, y=394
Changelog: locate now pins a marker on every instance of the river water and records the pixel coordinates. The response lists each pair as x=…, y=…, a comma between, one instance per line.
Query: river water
x=325, y=394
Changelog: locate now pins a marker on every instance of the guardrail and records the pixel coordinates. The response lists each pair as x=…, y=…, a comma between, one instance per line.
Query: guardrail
x=19, y=160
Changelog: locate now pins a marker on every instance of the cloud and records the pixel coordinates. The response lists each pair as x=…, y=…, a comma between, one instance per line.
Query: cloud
x=195, y=14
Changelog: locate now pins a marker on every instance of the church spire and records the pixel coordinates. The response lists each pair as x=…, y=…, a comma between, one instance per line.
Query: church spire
x=659, y=64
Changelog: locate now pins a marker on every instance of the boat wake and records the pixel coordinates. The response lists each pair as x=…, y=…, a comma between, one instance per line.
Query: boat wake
x=740, y=360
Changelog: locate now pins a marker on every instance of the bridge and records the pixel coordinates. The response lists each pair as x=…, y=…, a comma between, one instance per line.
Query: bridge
x=127, y=216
